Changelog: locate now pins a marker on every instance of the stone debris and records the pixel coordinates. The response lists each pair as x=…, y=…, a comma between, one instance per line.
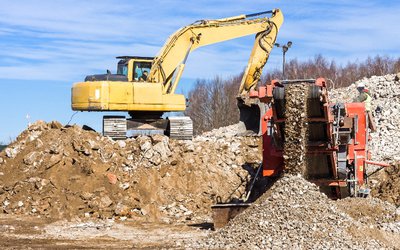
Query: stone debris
x=295, y=132
x=294, y=214
x=68, y=172
x=385, y=90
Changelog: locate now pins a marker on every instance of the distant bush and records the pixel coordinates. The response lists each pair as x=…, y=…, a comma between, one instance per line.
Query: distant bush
x=2, y=147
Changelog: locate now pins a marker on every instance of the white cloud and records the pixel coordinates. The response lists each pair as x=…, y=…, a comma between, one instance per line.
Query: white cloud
x=70, y=39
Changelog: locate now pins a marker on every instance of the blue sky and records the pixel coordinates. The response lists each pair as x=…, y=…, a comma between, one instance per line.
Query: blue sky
x=46, y=46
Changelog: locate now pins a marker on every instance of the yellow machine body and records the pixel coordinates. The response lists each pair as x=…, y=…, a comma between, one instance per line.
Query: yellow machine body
x=129, y=95
x=124, y=96
x=157, y=93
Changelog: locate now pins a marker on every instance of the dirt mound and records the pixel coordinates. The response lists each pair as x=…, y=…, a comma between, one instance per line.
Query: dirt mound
x=369, y=211
x=67, y=172
x=388, y=188
x=295, y=215
x=295, y=132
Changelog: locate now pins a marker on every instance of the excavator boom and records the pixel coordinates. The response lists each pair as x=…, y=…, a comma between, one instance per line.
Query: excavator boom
x=206, y=32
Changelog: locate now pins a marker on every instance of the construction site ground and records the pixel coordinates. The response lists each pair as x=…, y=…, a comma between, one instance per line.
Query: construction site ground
x=69, y=187
x=32, y=232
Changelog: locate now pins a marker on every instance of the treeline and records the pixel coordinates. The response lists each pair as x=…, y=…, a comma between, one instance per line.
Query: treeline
x=213, y=102
x=338, y=75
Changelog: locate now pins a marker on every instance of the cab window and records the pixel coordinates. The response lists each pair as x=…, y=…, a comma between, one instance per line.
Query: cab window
x=141, y=70
x=122, y=69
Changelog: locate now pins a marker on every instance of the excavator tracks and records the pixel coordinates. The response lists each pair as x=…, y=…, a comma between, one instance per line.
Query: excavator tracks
x=114, y=127
x=119, y=128
x=180, y=128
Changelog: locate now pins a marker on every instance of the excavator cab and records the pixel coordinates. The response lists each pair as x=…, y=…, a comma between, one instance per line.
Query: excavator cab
x=134, y=67
x=129, y=69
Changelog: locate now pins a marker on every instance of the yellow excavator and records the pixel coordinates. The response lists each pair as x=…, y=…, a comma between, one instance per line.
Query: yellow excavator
x=145, y=86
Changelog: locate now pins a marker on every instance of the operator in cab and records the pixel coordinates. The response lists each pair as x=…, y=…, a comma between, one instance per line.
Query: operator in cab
x=144, y=76
x=364, y=95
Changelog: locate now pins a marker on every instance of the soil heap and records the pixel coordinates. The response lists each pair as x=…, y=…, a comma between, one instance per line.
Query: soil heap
x=67, y=172
x=388, y=188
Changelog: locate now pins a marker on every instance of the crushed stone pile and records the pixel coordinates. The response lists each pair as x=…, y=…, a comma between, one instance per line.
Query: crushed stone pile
x=67, y=172
x=295, y=132
x=385, y=90
x=294, y=214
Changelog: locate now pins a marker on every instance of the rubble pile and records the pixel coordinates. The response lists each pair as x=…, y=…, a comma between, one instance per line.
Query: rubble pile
x=67, y=172
x=295, y=132
x=385, y=90
x=294, y=214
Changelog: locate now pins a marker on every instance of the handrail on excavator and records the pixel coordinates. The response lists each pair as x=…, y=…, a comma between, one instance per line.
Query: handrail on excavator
x=260, y=13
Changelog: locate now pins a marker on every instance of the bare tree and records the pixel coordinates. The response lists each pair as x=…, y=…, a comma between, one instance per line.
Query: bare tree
x=212, y=104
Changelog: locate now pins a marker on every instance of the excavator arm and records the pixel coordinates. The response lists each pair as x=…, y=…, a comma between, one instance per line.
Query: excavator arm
x=169, y=64
x=263, y=45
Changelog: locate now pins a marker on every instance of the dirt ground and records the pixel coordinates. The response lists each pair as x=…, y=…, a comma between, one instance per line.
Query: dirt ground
x=37, y=233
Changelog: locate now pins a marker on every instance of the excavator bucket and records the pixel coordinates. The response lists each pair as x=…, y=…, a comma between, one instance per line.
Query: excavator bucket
x=223, y=213
x=250, y=117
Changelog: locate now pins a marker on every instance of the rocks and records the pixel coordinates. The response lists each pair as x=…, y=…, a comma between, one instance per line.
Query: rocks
x=54, y=159
x=121, y=209
x=295, y=132
x=124, y=186
x=82, y=146
x=293, y=214
x=31, y=158
x=39, y=126
x=11, y=152
x=145, y=143
x=105, y=202
x=188, y=146
x=112, y=178
x=385, y=90
x=121, y=144
x=56, y=125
